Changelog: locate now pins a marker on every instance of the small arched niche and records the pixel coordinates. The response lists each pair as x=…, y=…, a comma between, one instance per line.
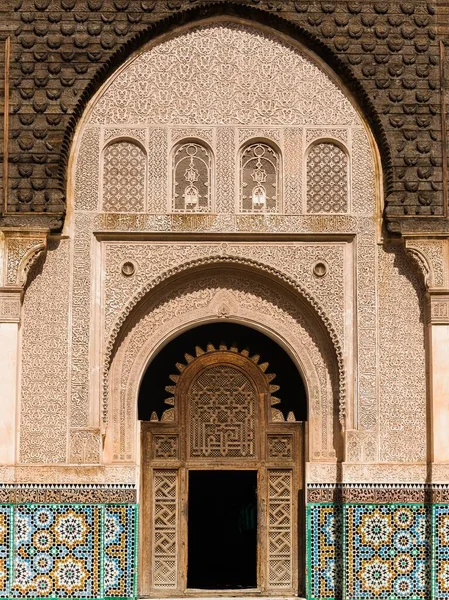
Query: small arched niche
x=192, y=177
x=260, y=178
x=328, y=183
x=123, y=176
x=225, y=437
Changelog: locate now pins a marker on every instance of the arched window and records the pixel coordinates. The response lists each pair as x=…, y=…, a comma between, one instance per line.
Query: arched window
x=327, y=179
x=192, y=178
x=259, y=178
x=124, y=177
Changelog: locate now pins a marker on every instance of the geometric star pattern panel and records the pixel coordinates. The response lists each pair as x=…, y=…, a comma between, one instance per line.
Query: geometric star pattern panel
x=387, y=551
x=324, y=555
x=68, y=551
x=327, y=179
x=124, y=177
x=280, y=512
x=120, y=543
x=377, y=551
x=441, y=549
x=57, y=551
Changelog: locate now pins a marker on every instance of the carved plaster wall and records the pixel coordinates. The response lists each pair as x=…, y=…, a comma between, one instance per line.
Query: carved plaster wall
x=163, y=95
x=116, y=264
x=230, y=294
x=402, y=359
x=45, y=333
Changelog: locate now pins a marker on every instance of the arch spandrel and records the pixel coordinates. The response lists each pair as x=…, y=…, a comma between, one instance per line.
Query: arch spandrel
x=162, y=85
x=279, y=92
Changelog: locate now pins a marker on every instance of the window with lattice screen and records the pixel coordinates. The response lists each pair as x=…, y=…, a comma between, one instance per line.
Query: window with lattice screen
x=260, y=189
x=192, y=178
x=327, y=179
x=124, y=175
x=222, y=414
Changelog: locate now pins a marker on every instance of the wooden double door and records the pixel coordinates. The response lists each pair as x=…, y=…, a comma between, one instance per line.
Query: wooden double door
x=222, y=473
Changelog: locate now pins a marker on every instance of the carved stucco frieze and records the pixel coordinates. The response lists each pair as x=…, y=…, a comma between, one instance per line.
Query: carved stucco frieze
x=21, y=250
x=226, y=223
x=367, y=473
x=70, y=474
x=294, y=260
x=432, y=258
x=10, y=306
x=85, y=446
x=45, y=347
x=295, y=92
x=362, y=446
x=294, y=266
x=438, y=309
x=402, y=358
x=81, y=319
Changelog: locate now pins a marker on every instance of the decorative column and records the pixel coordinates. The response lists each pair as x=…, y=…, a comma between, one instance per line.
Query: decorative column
x=18, y=251
x=432, y=256
x=438, y=338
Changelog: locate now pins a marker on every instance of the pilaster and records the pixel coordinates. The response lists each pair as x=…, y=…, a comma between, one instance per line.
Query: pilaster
x=432, y=256
x=18, y=252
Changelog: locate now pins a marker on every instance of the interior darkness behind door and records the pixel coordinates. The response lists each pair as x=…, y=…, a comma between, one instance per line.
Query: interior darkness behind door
x=222, y=530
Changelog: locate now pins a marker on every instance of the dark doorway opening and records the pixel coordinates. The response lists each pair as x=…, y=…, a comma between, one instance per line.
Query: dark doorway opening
x=292, y=393
x=222, y=530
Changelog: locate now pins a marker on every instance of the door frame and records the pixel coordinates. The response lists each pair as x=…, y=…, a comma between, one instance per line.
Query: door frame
x=179, y=464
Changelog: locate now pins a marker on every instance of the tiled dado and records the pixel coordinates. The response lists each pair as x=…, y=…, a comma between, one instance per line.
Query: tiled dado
x=68, y=551
x=378, y=551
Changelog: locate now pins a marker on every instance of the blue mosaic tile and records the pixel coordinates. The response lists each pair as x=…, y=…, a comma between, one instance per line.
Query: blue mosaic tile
x=324, y=561
x=57, y=551
x=5, y=550
x=119, y=535
x=387, y=552
x=441, y=552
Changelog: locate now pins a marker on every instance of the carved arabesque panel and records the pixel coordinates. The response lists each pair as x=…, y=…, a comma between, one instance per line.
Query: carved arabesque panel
x=87, y=170
x=222, y=405
x=43, y=403
x=154, y=86
x=402, y=360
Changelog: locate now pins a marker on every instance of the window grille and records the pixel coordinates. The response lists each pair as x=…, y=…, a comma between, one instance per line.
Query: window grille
x=327, y=179
x=124, y=173
x=259, y=179
x=192, y=178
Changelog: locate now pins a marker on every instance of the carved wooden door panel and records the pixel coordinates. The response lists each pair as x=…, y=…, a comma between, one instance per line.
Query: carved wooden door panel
x=221, y=416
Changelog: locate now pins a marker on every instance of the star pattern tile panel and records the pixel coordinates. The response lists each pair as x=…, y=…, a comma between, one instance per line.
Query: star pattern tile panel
x=68, y=551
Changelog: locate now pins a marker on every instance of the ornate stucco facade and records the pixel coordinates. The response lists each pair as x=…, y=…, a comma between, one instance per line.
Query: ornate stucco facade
x=174, y=165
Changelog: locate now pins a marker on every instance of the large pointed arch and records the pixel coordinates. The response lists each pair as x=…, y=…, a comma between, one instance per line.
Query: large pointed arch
x=205, y=291
x=214, y=12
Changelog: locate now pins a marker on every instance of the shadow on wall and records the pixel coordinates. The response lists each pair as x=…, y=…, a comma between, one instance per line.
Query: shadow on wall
x=382, y=550
x=292, y=392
